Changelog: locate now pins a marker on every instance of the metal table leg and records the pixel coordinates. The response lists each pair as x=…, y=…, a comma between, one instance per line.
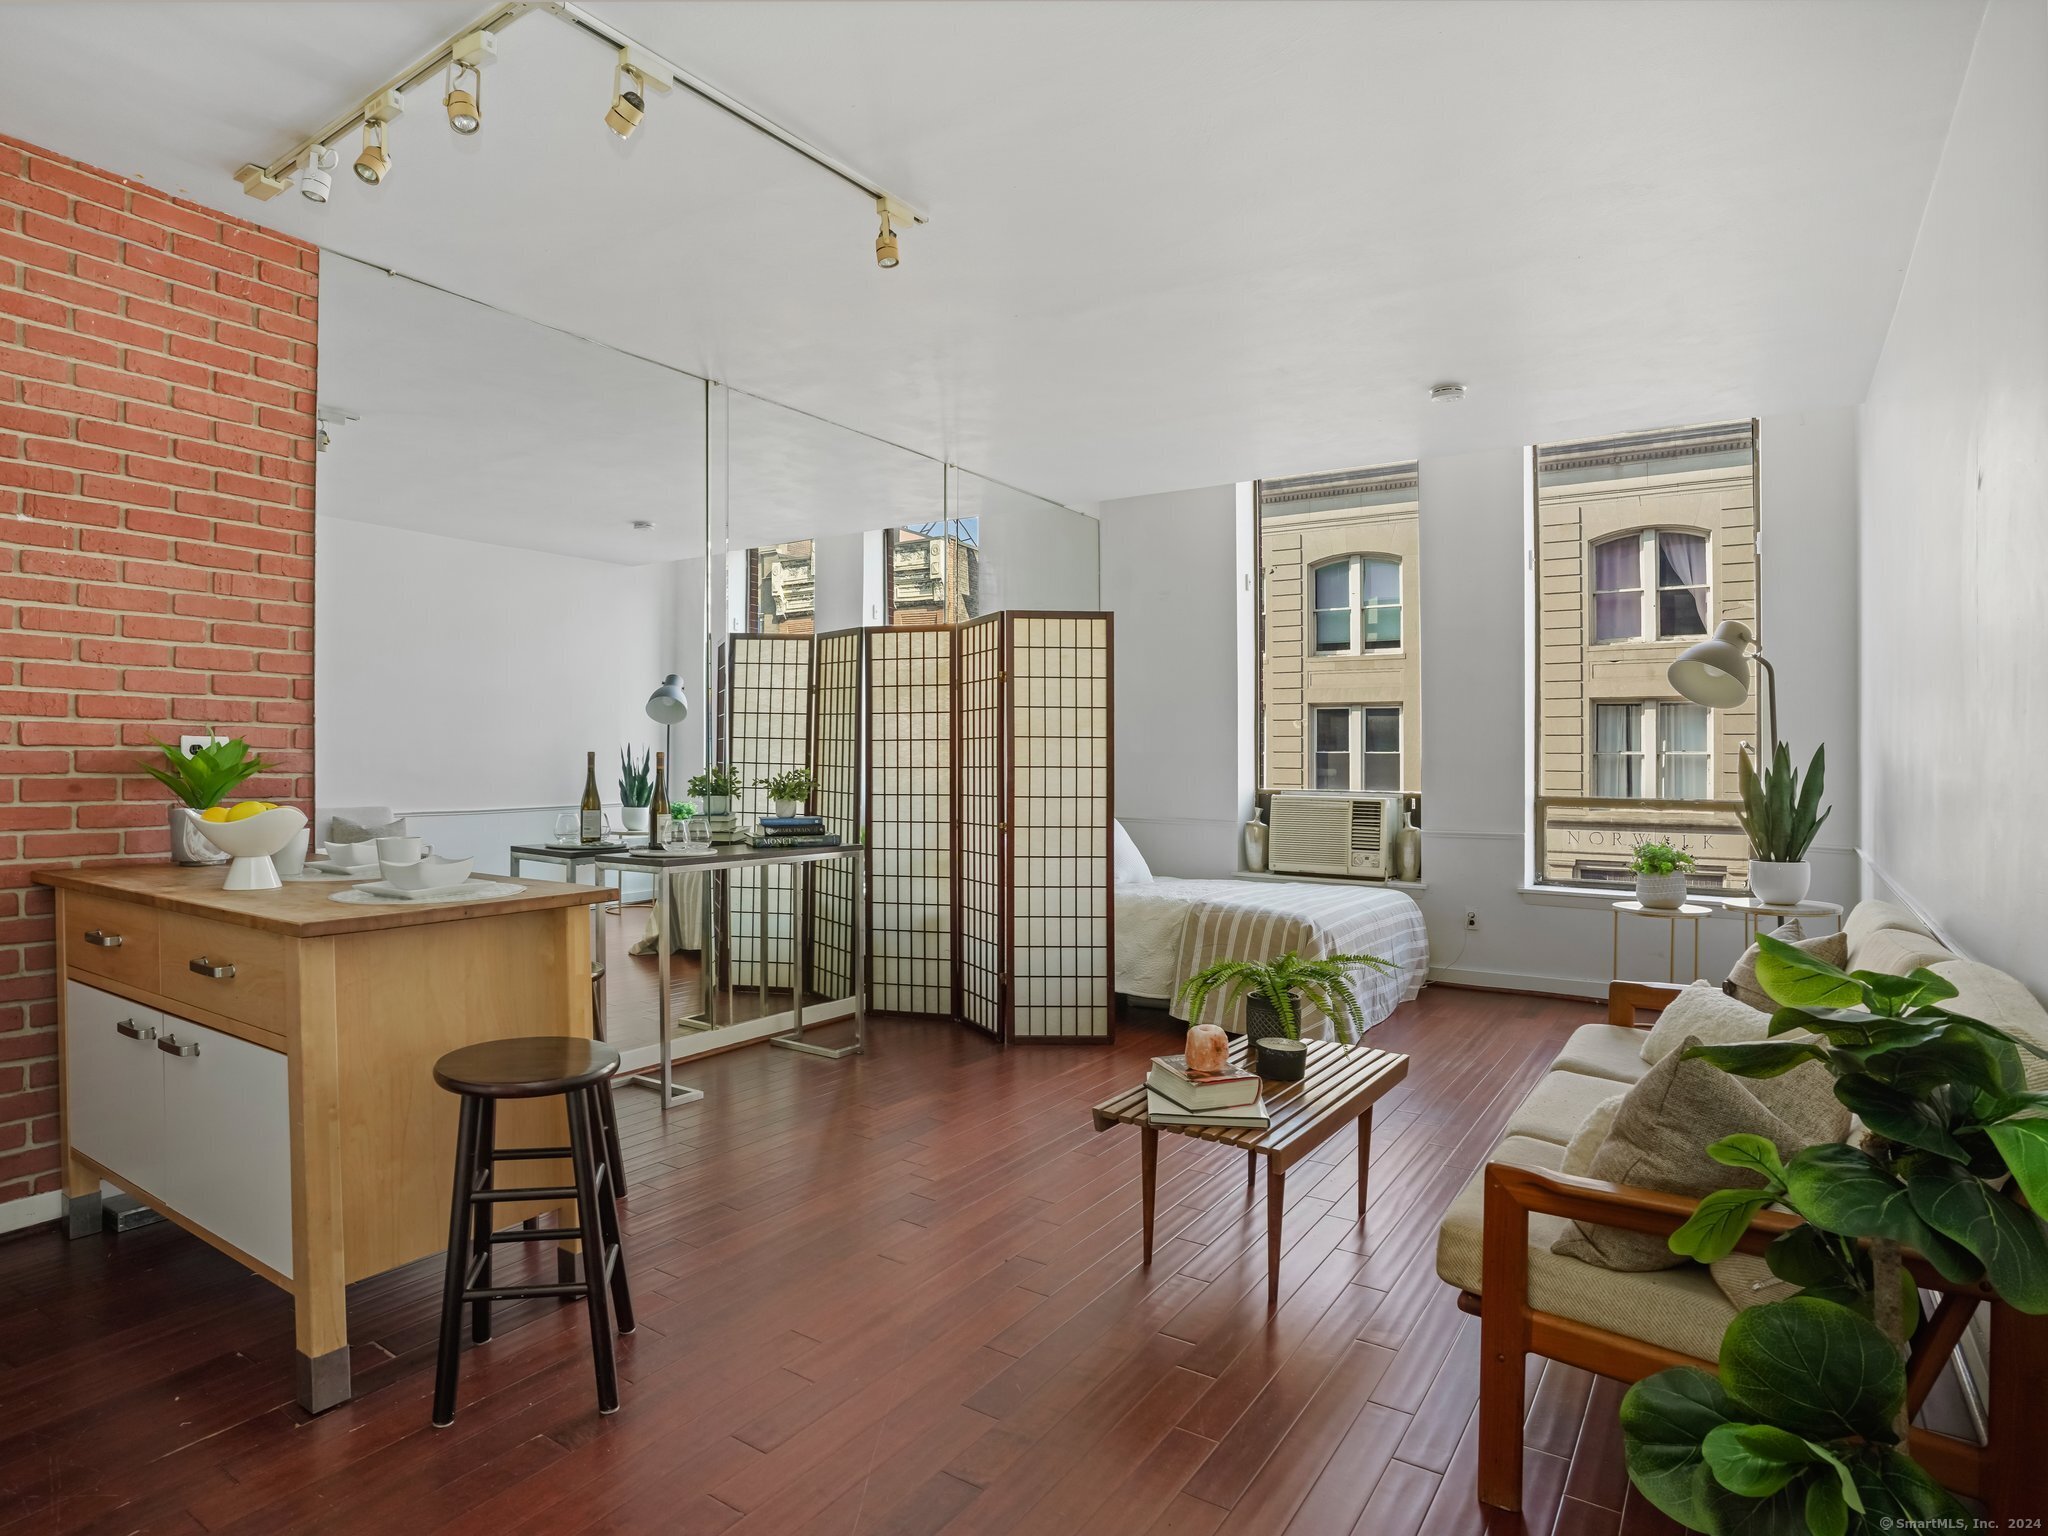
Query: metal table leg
x=672, y=1092
x=797, y=1042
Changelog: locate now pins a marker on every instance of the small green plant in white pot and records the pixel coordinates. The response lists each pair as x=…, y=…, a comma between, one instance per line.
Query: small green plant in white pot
x=1781, y=813
x=1661, y=870
x=716, y=788
x=636, y=787
x=789, y=791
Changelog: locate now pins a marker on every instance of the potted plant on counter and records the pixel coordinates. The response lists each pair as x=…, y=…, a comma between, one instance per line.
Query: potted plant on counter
x=636, y=787
x=201, y=779
x=1660, y=870
x=1781, y=815
x=1272, y=1010
x=788, y=792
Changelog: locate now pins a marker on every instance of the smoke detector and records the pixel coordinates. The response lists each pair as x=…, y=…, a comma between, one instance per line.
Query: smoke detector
x=1446, y=391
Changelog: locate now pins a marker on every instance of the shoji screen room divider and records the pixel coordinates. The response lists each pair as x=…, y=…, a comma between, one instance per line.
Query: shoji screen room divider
x=976, y=764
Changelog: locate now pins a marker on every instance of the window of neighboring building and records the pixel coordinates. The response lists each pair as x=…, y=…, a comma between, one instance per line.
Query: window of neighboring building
x=1337, y=557
x=1640, y=543
x=1650, y=581
x=1358, y=747
x=933, y=572
x=781, y=589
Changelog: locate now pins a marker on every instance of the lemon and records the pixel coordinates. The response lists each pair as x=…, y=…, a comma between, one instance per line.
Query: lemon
x=214, y=813
x=247, y=809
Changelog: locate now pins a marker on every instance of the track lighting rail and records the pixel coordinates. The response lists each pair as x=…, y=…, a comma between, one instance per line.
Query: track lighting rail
x=267, y=180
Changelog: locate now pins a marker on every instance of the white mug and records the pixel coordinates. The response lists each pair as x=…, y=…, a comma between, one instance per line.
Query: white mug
x=352, y=855
x=401, y=850
x=290, y=860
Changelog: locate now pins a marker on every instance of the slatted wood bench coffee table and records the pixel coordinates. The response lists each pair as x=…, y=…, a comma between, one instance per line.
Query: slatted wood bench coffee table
x=1341, y=1084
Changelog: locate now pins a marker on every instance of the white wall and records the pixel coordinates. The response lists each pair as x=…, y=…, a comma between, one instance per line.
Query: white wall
x=1037, y=555
x=1169, y=566
x=1954, y=522
x=462, y=683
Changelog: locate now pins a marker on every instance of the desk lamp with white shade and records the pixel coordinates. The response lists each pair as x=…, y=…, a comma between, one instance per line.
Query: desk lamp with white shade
x=1715, y=672
x=668, y=706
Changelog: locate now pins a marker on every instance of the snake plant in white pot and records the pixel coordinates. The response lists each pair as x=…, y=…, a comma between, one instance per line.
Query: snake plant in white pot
x=1781, y=814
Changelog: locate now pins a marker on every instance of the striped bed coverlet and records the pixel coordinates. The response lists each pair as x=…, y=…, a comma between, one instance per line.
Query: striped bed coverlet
x=1260, y=920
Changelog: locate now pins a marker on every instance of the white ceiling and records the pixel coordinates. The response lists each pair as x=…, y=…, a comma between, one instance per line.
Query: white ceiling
x=1171, y=244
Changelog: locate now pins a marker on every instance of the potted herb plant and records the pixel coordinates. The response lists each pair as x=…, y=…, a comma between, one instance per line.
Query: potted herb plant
x=1274, y=993
x=1805, y=1428
x=716, y=786
x=201, y=779
x=1781, y=814
x=636, y=787
x=1660, y=870
x=788, y=792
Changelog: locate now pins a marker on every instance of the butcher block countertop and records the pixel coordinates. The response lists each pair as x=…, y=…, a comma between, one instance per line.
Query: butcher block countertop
x=302, y=909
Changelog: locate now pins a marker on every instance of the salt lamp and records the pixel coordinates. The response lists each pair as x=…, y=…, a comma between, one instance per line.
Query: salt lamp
x=1208, y=1048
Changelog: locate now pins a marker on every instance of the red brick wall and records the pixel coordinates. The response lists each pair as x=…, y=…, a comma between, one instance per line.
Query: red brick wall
x=156, y=546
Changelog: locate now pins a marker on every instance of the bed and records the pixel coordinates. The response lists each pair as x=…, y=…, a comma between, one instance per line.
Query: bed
x=1168, y=929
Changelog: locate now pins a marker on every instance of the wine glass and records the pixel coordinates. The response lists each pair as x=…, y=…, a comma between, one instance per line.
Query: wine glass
x=567, y=827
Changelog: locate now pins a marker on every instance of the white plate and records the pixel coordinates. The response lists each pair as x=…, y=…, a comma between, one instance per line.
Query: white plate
x=392, y=892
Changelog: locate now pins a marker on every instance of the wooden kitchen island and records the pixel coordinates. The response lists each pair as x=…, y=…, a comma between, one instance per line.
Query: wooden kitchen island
x=258, y=1066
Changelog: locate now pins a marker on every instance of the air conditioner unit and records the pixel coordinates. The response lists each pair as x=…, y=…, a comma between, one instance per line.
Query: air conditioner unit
x=1329, y=834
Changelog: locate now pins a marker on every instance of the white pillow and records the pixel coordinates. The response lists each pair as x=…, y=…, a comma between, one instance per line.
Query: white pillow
x=1131, y=868
x=1703, y=1009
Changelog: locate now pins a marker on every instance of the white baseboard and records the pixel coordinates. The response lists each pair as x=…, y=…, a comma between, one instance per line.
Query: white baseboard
x=31, y=1210
x=1514, y=981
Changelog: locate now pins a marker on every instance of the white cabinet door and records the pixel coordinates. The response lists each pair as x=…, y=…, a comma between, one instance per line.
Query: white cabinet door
x=227, y=1139
x=113, y=1084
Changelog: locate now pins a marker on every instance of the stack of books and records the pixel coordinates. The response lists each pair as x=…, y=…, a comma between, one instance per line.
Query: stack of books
x=1176, y=1096
x=792, y=832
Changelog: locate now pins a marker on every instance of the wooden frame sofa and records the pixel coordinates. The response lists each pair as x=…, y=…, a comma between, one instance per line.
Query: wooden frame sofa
x=1494, y=1245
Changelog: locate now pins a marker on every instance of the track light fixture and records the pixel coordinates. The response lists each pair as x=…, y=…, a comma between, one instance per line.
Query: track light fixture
x=886, y=255
x=316, y=174
x=467, y=57
x=636, y=73
x=374, y=163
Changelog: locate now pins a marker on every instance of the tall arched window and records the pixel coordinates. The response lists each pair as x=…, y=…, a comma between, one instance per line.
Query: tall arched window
x=1358, y=605
x=1651, y=583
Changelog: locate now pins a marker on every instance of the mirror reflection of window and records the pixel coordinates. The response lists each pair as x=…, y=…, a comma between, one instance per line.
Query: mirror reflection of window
x=934, y=572
x=782, y=586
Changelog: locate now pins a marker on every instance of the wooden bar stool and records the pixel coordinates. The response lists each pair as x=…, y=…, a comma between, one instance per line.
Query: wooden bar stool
x=533, y=1067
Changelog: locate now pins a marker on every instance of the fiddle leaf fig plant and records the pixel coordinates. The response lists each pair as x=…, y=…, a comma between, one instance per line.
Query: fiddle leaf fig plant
x=1802, y=1430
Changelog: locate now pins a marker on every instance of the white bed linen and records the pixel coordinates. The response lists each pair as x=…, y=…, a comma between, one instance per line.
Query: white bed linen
x=1167, y=929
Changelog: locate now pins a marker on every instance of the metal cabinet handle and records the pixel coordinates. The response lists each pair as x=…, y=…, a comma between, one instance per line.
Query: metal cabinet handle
x=134, y=1031
x=204, y=967
x=171, y=1045
x=103, y=940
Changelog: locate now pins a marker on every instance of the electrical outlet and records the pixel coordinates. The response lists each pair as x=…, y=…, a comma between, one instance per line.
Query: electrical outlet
x=1471, y=919
x=190, y=744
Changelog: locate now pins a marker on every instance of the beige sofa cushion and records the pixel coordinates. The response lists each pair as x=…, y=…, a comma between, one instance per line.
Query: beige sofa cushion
x=1897, y=952
x=1829, y=948
x=1659, y=1140
x=1746, y=1280
x=1866, y=917
x=1679, y=1309
x=1558, y=1106
x=1612, y=1051
x=1996, y=998
x=1704, y=1012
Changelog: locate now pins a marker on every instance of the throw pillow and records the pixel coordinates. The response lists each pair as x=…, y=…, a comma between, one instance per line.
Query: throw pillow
x=1131, y=867
x=342, y=830
x=1703, y=1011
x=1832, y=948
x=1659, y=1141
x=1585, y=1142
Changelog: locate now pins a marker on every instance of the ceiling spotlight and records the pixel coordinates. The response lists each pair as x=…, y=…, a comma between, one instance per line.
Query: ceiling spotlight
x=465, y=108
x=467, y=57
x=1446, y=391
x=374, y=163
x=628, y=105
x=885, y=243
x=316, y=174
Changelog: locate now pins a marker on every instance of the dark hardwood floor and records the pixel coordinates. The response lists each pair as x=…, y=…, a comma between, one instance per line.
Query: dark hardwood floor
x=893, y=1294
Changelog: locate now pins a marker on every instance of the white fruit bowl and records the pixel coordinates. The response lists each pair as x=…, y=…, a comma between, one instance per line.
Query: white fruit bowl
x=427, y=874
x=251, y=842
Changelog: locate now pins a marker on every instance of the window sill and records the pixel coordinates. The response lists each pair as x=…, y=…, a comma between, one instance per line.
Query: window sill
x=1268, y=875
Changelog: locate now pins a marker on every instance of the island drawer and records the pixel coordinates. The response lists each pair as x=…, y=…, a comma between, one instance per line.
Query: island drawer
x=114, y=939
x=233, y=971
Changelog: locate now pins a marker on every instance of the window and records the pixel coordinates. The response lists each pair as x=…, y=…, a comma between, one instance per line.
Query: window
x=781, y=589
x=1358, y=747
x=1680, y=582
x=1641, y=543
x=1375, y=614
x=1682, y=734
x=933, y=572
x=1337, y=573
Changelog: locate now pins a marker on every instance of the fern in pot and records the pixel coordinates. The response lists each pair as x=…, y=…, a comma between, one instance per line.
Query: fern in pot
x=1274, y=993
x=1660, y=870
x=1781, y=813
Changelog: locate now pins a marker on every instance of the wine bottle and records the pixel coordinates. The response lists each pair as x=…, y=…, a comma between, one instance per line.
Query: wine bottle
x=660, y=827
x=592, y=809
